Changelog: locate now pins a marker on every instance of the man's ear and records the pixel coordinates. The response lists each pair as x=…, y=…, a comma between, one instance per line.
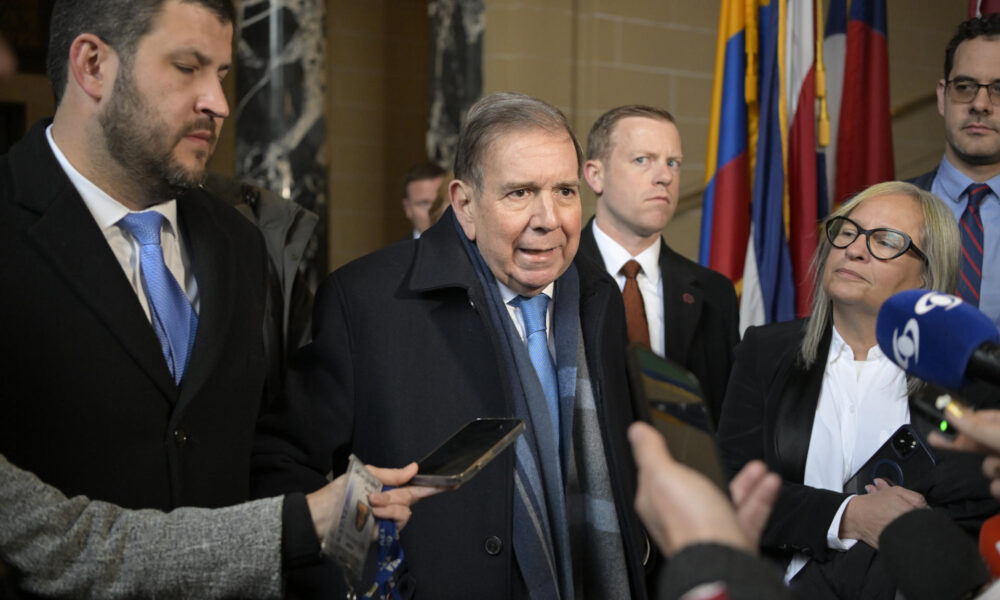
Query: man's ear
x=92, y=66
x=464, y=205
x=593, y=172
x=940, y=96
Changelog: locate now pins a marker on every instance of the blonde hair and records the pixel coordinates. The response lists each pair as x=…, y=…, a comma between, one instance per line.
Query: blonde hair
x=939, y=240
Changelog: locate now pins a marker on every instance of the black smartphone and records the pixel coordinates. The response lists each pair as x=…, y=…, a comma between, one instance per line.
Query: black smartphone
x=669, y=397
x=466, y=452
x=903, y=458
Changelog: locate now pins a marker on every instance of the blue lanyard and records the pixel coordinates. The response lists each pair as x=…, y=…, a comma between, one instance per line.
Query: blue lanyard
x=390, y=558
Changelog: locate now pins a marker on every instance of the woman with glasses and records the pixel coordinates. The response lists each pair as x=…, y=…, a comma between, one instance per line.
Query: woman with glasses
x=815, y=398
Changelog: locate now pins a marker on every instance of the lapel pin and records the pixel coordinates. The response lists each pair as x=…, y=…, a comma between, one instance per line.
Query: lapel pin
x=688, y=298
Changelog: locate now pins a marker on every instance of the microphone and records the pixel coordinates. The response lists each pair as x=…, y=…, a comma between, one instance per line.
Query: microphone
x=989, y=544
x=939, y=338
x=930, y=558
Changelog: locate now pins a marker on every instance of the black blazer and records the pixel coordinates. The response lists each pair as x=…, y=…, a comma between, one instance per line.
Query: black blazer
x=86, y=400
x=768, y=415
x=701, y=317
x=925, y=181
x=402, y=355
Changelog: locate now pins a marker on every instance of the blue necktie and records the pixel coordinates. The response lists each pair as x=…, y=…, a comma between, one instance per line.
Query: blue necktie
x=534, y=310
x=970, y=225
x=170, y=310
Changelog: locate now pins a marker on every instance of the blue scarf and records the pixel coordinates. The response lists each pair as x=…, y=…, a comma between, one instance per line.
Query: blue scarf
x=541, y=531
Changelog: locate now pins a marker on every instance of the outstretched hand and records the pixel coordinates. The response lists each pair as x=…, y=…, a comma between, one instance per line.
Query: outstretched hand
x=680, y=506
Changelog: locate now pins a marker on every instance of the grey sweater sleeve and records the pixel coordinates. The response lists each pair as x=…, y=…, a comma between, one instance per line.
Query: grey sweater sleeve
x=81, y=548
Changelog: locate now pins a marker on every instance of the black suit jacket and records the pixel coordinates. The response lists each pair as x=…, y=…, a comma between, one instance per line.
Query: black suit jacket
x=925, y=181
x=700, y=317
x=402, y=355
x=86, y=399
x=768, y=415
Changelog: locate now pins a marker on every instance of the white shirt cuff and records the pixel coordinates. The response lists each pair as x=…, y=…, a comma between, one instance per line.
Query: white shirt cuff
x=833, y=539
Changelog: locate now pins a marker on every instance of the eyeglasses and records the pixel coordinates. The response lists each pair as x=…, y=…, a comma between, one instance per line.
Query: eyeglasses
x=883, y=243
x=965, y=91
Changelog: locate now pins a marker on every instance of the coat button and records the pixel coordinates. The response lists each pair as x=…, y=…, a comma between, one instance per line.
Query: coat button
x=493, y=545
x=180, y=437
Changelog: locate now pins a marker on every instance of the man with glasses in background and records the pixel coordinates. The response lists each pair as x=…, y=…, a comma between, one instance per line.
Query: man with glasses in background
x=968, y=177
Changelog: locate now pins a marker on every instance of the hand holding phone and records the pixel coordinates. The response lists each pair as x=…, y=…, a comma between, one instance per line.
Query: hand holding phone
x=902, y=458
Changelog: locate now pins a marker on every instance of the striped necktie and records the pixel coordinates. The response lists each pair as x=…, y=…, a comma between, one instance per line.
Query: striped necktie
x=970, y=225
x=170, y=310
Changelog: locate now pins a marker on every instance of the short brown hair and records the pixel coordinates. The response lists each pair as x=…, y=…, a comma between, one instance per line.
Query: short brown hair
x=420, y=172
x=599, y=139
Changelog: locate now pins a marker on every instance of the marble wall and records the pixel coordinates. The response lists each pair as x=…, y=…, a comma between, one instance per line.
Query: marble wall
x=281, y=98
x=456, y=71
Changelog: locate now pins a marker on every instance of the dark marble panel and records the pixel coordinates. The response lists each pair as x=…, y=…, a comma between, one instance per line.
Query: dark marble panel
x=281, y=89
x=456, y=71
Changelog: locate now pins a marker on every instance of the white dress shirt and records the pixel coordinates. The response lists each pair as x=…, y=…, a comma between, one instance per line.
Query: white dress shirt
x=107, y=212
x=861, y=404
x=514, y=312
x=650, y=280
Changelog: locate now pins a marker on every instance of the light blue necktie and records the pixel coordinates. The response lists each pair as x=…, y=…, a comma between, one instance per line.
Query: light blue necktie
x=534, y=310
x=170, y=310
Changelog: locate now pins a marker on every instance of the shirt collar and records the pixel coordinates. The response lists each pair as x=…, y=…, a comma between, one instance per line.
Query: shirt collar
x=954, y=181
x=106, y=210
x=839, y=350
x=615, y=256
x=508, y=294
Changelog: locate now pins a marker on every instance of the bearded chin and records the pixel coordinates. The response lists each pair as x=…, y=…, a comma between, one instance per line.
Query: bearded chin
x=140, y=142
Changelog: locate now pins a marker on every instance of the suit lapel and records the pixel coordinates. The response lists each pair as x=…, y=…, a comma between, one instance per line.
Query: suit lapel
x=797, y=409
x=68, y=238
x=210, y=249
x=682, y=305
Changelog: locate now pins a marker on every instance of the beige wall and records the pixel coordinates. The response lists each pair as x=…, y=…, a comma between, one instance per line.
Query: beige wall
x=587, y=56
x=377, y=98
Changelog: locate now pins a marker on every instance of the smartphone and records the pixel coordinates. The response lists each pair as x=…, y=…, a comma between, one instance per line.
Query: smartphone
x=466, y=452
x=902, y=459
x=669, y=397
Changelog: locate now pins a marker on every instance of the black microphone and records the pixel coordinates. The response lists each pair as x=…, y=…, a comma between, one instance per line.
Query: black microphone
x=939, y=338
x=930, y=558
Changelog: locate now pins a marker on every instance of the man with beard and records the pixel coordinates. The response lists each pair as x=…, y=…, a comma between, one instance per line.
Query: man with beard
x=130, y=321
x=968, y=176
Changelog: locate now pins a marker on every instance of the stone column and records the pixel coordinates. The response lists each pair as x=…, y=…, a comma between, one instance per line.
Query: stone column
x=456, y=71
x=281, y=98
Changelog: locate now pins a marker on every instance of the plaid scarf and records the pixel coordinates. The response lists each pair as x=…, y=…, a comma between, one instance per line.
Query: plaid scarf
x=564, y=511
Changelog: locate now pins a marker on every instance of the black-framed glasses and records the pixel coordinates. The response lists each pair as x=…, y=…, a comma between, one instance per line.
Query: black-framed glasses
x=883, y=243
x=965, y=90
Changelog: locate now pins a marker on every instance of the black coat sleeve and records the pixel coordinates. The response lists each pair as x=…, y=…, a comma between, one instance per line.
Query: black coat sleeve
x=305, y=436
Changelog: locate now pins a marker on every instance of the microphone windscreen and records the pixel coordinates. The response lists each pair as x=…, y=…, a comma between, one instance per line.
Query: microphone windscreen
x=932, y=335
x=930, y=558
x=989, y=538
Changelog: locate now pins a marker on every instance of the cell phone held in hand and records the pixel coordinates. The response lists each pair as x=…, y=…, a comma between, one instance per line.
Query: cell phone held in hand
x=902, y=459
x=669, y=397
x=466, y=452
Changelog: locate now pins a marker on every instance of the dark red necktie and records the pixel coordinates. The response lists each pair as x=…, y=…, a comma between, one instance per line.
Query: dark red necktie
x=635, y=310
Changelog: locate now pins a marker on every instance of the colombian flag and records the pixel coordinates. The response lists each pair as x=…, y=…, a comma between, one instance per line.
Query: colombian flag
x=762, y=196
